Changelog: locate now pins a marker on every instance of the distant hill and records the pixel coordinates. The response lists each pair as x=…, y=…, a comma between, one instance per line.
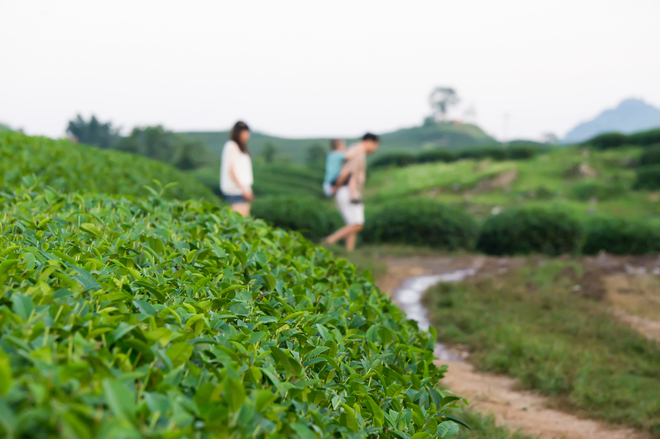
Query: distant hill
x=409, y=139
x=630, y=116
x=4, y=127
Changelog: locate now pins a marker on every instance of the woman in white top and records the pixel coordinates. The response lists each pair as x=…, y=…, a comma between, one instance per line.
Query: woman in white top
x=236, y=170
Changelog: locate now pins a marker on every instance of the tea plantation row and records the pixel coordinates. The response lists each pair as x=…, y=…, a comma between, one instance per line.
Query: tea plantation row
x=429, y=223
x=68, y=167
x=153, y=318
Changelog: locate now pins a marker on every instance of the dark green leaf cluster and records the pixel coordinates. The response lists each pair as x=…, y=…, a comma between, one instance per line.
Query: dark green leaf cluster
x=68, y=167
x=648, y=177
x=403, y=158
x=620, y=236
x=155, y=318
x=422, y=222
x=531, y=230
x=306, y=214
x=617, y=140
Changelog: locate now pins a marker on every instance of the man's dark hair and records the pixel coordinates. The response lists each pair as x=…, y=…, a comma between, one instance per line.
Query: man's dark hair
x=334, y=144
x=370, y=136
x=235, y=135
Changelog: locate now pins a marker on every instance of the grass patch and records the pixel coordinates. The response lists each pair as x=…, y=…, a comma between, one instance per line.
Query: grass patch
x=530, y=324
x=484, y=427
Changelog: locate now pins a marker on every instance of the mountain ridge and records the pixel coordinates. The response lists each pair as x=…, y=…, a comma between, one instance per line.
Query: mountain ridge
x=631, y=115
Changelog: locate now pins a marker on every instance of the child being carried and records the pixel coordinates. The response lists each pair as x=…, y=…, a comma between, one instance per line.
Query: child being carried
x=333, y=166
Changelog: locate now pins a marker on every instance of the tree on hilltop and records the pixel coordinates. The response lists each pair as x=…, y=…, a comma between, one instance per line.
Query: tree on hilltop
x=93, y=132
x=441, y=99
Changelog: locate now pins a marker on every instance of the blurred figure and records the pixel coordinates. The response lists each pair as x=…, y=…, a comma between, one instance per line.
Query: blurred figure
x=236, y=170
x=333, y=163
x=350, y=202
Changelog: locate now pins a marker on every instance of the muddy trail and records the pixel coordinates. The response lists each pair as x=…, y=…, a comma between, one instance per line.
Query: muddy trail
x=408, y=278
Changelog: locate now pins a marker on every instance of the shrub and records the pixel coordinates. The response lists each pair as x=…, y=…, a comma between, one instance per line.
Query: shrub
x=308, y=215
x=608, y=140
x=436, y=155
x=68, y=167
x=645, y=138
x=422, y=222
x=522, y=152
x=620, y=236
x=584, y=191
x=650, y=156
x=152, y=318
x=397, y=159
x=530, y=230
x=648, y=177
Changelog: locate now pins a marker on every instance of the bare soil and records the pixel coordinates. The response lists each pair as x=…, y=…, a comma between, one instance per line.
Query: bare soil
x=630, y=284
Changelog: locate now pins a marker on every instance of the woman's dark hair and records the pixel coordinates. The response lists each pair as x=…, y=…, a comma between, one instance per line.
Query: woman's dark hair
x=334, y=144
x=372, y=137
x=235, y=135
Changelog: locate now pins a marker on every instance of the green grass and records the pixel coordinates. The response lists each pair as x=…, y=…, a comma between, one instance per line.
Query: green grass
x=483, y=426
x=529, y=325
x=409, y=139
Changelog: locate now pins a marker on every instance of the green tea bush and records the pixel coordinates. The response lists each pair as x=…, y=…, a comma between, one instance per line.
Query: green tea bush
x=648, y=177
x=608, y=140
x=620, y=236
x=495, y=153
x=126, y=318
x=394, y=159
x=310, y=216
x=68, y=167
x=436, y=155
x=530, y=230
x=421, y=222
x=650, y=156
x=645, y=138
x=584, y=191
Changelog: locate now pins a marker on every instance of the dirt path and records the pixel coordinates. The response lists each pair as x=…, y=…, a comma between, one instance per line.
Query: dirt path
x=488, y=393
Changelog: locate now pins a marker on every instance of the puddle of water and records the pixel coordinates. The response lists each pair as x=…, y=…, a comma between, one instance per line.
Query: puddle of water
x=409, y=297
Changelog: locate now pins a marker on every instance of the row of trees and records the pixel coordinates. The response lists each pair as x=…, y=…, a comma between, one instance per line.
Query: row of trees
x=154, y=142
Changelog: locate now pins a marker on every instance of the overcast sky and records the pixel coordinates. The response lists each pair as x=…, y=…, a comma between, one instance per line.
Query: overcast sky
x=309, y=68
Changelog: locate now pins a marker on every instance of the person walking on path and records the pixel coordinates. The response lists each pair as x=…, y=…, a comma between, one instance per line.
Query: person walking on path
x=236, y=170
x=350, y=202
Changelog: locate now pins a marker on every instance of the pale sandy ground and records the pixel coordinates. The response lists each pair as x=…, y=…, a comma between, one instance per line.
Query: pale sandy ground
x=522, y=410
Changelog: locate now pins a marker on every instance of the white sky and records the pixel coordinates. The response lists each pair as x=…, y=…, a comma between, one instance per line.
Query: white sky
x=303, y=68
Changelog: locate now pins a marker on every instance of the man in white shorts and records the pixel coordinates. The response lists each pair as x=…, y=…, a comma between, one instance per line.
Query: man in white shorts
x=349, y=197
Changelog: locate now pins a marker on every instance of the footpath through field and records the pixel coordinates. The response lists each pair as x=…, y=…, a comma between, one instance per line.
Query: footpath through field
x=528, y=412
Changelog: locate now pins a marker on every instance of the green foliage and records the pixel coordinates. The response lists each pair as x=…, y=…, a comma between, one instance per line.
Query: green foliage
x=269, y=152
x=308, y=215
x=402, y=158
x=645, y=138
x=620, y=236
x=315, y=154
x=155, y=318
x=585, y=191
x=648, y=177
x=421, y=222
x=277, y=178
x=650, y=156
x=436, y=155
x=615, y=140
x=395, y=158
x=531, y=325
x=608, y=140
x=68, y=167
x=94, y=132
x=531, y=230
x=165, y=146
